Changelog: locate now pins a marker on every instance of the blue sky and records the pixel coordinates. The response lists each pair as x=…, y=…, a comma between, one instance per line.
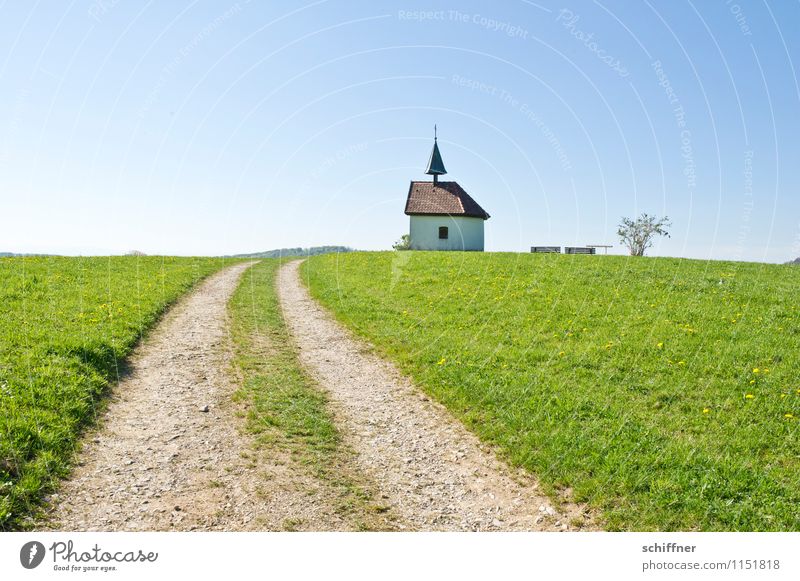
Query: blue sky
x=223, y=127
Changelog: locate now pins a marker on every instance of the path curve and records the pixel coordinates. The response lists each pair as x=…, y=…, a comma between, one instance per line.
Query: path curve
x=433, y=472
x=161, y=460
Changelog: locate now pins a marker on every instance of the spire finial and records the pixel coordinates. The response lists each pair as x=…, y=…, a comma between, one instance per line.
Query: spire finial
x=434, y=132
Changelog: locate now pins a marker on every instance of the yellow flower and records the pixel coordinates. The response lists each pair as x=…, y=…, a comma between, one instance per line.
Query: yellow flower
x=660, y=345
x=561, y=354
x=441, y=361
x=749, y=396
x=756, y=370
x=790, y=416
x=752, y=381
x=706, y=410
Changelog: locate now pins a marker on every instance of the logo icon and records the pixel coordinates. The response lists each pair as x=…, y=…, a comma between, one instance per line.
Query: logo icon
x=31, y=554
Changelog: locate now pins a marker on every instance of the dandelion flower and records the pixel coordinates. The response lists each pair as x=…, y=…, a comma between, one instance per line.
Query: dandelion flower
x=790, y=416
x=706, y=410
x=660, y=345
x=749, y=396
x=441, y=361
x=756, y=370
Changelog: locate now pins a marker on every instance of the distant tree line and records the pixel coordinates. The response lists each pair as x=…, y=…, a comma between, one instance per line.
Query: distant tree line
x=283, y=252
x=17, y=255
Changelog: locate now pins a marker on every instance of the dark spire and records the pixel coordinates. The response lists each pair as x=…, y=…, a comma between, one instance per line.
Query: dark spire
x=435, y=163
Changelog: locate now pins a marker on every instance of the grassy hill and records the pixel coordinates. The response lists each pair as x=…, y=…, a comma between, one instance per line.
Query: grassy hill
x=664, y=392
x=66, y=324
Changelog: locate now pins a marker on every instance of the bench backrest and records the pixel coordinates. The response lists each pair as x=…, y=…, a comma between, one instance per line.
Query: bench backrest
x=547, y=249
x=578, y=250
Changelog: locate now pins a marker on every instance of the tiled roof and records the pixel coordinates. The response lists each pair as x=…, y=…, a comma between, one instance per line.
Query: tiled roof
x=443, y=198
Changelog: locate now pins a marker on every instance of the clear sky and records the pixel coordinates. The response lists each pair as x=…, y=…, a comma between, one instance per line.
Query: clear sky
x=198, y=127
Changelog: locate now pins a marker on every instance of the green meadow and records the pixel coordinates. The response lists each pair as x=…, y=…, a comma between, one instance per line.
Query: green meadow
x=664, y=393
x=66, y=325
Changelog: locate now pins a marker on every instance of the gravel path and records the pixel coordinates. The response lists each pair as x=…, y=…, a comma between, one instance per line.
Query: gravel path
x=432, y=472
x=169, y=453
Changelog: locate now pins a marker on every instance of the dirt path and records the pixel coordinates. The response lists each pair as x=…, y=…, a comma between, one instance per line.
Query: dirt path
x=432, y=471
x=162, y=460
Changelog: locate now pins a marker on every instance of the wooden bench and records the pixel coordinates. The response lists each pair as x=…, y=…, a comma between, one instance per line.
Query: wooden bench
x=579, y=250
x=546, y=249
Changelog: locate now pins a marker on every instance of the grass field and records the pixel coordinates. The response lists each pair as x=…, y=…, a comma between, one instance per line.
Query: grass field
x=664, y=392
x=66, y=324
